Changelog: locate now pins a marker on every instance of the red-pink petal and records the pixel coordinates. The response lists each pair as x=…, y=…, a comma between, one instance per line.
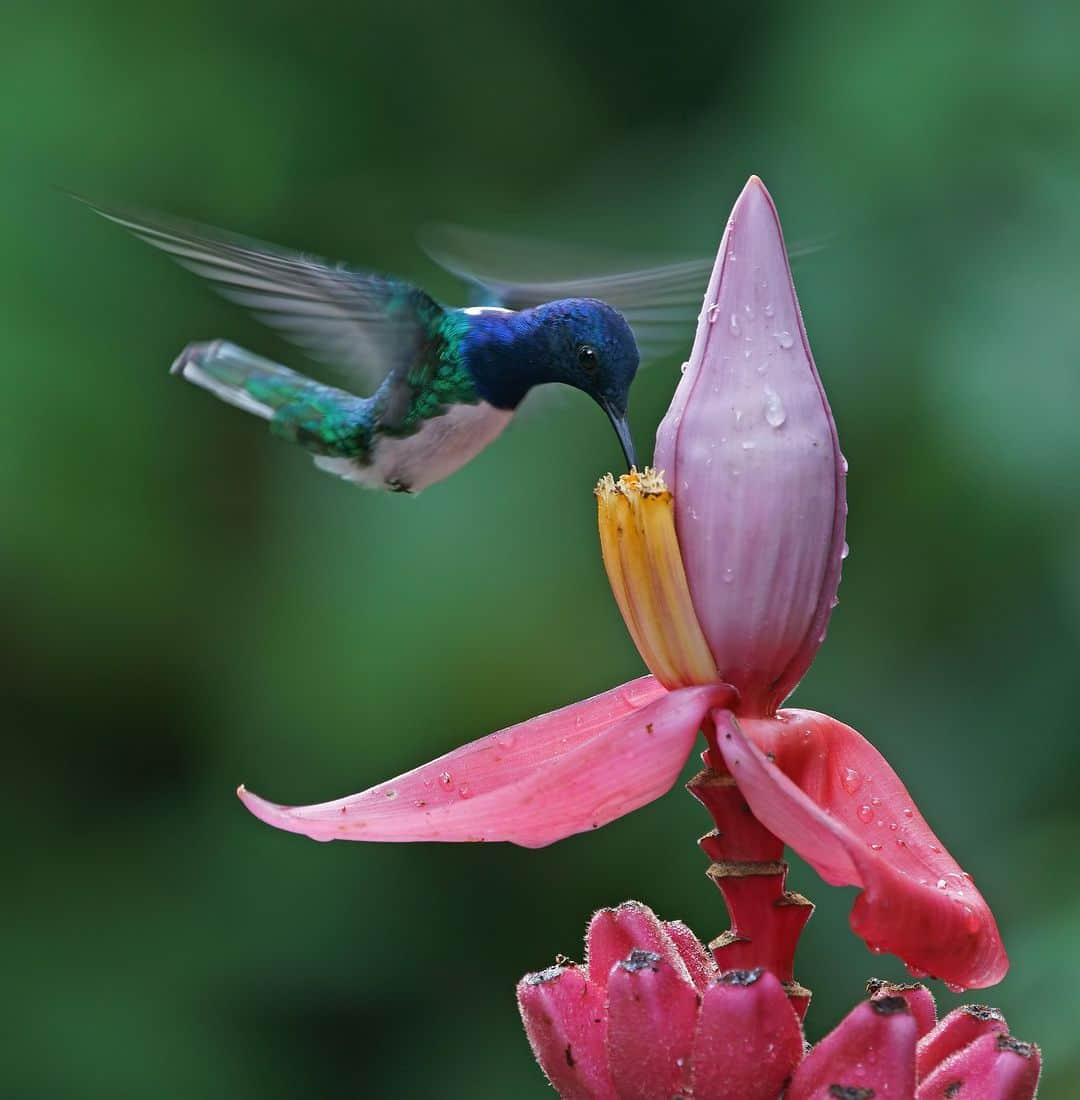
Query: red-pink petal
x=995, y=1067
x=564, y=1017
x=962, y=1026
x=534, y=783
x=871, y=1053
x=652, y=1010
x=748, y=1039
x=750, y=452
x=829, y=794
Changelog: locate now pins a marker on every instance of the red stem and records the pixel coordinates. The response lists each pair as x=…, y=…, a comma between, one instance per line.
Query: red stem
x=748, y=867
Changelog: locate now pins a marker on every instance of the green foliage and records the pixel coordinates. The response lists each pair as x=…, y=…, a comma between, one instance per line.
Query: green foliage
x=188, y=604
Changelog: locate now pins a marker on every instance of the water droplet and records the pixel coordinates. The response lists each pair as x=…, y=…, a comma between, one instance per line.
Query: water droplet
x=955, y=987
x=916, y=973
x=785, y=339
x=748, y=354
x=908, y=812
x=843, y=465
x=851, y=780
x=971, y=919
x=775, y=414
x=738, y=416
x=505, y=740
x=712, y=313
x=729, y=575
x=683, y=368
x=875, y=847
x=893, y=826
x=866, y=815
x=834, y=601
x=391, y=794
x=733, y=325
x=769, y=311
x=748, y=444
x=844, y=552
x=749, y=310
x=935, y=849
x=464, y=791
x=875, y=801
x=446, y=779
x=942, y=884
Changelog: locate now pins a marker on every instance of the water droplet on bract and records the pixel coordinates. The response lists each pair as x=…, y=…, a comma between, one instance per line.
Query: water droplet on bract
x=971, y=919
x=785, y=339
x=738, y=416
x=843, y=465
x=850, y=780
x=834, y=601
x=768, y=311
x=446, y=779
x=866, y=815
x=749, y=310
x=935, y=849
x=748, y=354
x=955, y=987
x=844, y=552
x=683, y=368
x=875, y=801
x=775, y=415
x=464, y=791
x=942, y=884
x=391, y=794
x=875, y=847
x=733, y=325
x=908, y=812
x=748, y=444
x=893, y=826
x=729, y=575
x=429, y=782
x=712, y=312
x=875, y=947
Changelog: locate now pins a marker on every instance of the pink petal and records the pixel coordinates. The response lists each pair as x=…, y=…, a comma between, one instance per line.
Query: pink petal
x=871, y=1053
x=962, y=1026
x=995, y=1067
x=652, y=1010
x=750, y=452
x=614, y=933
x=830, y=795
x=748, y=1040
x=563, y=1013
x=534, y=783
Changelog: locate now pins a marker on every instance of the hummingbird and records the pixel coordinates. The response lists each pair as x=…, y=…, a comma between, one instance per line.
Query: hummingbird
x=434, y=385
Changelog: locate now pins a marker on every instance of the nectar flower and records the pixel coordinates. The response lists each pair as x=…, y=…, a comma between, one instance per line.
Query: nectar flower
x=650, y=1015
x=725, y=573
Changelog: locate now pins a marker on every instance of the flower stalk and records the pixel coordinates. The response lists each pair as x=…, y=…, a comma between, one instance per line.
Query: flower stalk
x=747, y=867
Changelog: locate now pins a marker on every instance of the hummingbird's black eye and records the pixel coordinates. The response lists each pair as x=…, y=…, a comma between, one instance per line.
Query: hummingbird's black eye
x=586, y=358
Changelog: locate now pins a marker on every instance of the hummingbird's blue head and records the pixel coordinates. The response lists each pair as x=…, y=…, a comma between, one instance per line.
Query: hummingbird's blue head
x=595, y=351
x=580, y=342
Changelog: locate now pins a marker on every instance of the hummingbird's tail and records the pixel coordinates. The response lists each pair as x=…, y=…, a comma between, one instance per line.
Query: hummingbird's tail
x=325, y=420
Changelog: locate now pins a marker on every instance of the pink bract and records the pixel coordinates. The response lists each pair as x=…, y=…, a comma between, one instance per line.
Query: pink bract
x=750, y=451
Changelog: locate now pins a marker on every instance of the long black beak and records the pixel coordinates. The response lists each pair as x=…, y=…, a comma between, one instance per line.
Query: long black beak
x=622, y=430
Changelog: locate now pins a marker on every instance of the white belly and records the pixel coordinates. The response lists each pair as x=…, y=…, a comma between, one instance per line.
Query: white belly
x=413, y=462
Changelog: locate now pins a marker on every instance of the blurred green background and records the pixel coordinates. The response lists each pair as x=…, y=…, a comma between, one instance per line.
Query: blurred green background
x=188, y=604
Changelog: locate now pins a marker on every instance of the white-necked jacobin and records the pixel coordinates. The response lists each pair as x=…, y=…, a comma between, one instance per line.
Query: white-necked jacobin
x=444, y=382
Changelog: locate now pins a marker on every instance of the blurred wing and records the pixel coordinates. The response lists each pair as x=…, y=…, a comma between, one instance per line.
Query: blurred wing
x=365, y=323
x=661, y=304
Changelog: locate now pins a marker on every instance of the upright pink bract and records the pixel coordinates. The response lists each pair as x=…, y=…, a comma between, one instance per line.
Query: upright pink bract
x=749, y=448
